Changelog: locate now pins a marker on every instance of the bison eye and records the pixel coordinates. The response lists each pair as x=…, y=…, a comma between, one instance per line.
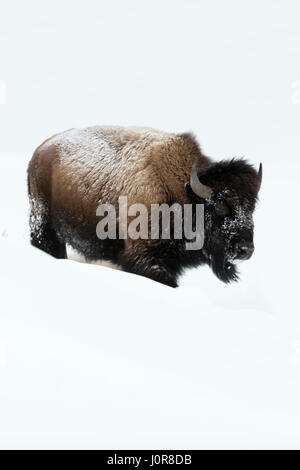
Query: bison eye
x=221, y=209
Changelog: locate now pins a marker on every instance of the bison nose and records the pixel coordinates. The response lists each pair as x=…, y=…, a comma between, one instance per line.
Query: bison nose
x=244, y=250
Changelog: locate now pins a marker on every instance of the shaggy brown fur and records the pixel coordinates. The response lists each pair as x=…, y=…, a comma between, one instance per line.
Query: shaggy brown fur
x=146, y=165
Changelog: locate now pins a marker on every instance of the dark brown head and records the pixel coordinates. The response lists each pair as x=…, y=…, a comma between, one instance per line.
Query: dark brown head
x=228, y=190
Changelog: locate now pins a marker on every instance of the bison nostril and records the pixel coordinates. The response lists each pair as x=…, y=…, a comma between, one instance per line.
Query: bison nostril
x=244, y=250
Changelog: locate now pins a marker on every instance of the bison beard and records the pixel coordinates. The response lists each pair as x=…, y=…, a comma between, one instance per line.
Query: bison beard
x=222, y=267
x=220, y=259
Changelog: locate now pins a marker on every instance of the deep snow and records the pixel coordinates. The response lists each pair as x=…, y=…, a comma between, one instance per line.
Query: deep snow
x=96, y=358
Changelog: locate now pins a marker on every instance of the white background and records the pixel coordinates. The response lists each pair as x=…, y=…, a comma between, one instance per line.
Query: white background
x=95, y=358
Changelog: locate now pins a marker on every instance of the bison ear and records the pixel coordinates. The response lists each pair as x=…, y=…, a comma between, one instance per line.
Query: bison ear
x=188, y=190
x=190, y=193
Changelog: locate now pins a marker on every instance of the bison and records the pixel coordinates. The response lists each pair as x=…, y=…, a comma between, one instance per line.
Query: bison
x=73, y=172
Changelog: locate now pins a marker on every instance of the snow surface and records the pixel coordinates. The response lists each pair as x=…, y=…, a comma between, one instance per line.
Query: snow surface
x=92, y=357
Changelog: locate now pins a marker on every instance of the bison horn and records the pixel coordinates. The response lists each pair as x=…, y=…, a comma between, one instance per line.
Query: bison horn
x=198, y=188
x=259, y=175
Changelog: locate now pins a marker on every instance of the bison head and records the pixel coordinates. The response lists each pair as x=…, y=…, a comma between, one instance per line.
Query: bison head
x=228, y=190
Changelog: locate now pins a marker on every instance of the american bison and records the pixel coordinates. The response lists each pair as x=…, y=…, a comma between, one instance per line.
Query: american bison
x=74, y=172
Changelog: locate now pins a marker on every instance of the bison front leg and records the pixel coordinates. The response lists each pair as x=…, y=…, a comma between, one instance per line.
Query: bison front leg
x=150, y=268
x=149, y=262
